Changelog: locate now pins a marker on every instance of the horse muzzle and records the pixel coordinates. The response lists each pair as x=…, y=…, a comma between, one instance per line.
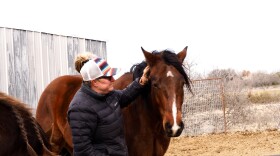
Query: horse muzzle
x=173, y=130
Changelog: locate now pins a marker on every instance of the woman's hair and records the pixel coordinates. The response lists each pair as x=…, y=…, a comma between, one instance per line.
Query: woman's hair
x=82, y=58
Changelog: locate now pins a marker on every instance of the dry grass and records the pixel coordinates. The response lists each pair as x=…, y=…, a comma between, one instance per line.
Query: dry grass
x=264, y=96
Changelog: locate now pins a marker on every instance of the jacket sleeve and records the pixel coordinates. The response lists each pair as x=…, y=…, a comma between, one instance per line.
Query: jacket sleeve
x=130, y=93
x=83, y=123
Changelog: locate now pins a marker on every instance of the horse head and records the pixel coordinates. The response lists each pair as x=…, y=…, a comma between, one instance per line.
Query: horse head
x=167, y=80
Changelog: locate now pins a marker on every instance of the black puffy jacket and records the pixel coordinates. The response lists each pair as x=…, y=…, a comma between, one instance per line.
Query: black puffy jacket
x=96, y=121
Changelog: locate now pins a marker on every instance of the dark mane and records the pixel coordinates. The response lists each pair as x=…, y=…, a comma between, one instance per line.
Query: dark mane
x=137, y=69
x=169, y=58
x=18, y=119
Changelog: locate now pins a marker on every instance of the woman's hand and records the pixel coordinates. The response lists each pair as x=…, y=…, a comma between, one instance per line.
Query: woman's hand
x=145, y=77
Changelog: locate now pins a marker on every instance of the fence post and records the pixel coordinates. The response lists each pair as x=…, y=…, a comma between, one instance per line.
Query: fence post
x=223, y=103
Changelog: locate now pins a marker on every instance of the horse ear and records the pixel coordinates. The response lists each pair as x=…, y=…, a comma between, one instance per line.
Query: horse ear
x=182, y=55
x=150, y=58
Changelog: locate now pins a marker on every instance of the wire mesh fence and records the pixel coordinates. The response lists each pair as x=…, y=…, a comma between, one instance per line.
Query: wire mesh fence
x=217, y=107
x=203, y=112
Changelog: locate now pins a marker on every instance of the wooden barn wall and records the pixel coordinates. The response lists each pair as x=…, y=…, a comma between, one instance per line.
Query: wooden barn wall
x=30, y=60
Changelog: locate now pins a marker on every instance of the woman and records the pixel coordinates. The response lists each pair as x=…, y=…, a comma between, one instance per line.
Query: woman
x=94, y=113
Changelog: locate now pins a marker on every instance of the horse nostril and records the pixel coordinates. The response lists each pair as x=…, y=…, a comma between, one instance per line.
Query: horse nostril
x=180, y=130
x=181, y=125
x=168, y=126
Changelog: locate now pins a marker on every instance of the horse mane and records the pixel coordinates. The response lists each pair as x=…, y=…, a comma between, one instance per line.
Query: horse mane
x=169, y=58
x=23, y=114
x=137, y=69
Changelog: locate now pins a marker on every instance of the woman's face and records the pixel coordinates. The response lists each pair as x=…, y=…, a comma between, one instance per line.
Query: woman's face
x=103, y=84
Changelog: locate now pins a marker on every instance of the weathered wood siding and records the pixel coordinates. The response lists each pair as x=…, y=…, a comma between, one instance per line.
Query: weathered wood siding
x=30, y=60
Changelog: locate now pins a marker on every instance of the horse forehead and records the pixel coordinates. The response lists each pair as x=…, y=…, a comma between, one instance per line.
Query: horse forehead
x=167, y=72
x=171, y=72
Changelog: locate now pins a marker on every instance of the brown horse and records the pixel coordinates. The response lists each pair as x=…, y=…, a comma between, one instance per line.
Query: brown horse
x=20, y=134
x=150, y=120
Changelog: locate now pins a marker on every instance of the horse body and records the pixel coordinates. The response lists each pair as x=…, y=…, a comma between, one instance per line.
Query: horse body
x=19, y=132
x=52, y=109
x=150, y=120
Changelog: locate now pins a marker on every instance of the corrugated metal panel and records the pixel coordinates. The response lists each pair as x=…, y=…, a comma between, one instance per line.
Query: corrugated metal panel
x=38, y=65
x=30, y=60
x=3, y=66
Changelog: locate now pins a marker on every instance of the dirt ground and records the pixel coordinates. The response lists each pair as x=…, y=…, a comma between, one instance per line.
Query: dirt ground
x=266, y=143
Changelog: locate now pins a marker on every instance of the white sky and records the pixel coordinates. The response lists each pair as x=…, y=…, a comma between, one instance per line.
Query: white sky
x=220, y=34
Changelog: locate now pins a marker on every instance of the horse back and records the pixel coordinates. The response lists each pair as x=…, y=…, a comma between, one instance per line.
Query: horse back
x=123, y=81
x=55, y=99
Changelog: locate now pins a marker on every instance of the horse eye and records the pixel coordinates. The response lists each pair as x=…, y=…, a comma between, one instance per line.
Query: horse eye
x=155, y=85
x=154, y=82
